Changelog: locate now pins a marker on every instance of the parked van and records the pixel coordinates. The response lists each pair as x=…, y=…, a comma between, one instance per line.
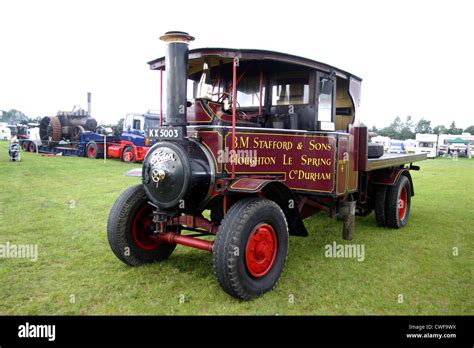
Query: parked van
x=426, y=143
x=396, y=146
x=5, y=133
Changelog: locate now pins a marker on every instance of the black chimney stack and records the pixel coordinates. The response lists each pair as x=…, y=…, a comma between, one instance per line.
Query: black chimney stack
x=176, y=64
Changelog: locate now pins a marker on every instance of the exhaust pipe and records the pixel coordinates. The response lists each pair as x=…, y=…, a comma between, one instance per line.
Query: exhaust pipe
x=89, y=103
x=176, y=62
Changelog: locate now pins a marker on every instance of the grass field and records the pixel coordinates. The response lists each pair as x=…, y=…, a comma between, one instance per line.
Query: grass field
x=62, y=205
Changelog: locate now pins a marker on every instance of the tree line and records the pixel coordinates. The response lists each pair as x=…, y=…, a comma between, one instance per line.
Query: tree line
x=407, y=130
x=396, y=130
x=16, y=117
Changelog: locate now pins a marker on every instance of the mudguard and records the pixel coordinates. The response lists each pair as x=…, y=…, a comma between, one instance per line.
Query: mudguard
x=278, y=192
x=390, y=177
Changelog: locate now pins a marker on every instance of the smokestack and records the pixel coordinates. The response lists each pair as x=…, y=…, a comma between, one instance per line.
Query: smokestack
x=89, y=103
x=176, y=63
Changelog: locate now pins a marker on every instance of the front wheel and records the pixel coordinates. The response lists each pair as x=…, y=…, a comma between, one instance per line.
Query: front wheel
x=129, y=155
x=250, y=248
x=130, y=230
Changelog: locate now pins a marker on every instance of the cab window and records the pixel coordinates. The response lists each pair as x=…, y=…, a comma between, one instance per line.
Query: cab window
x=248, y=92
x=325, y=88
x=136, y=124
x=291, y=89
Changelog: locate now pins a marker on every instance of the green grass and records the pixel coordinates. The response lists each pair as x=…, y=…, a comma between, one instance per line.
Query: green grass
x=75, y=261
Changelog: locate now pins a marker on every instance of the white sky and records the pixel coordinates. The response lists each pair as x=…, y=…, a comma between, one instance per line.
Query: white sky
x=416, y=57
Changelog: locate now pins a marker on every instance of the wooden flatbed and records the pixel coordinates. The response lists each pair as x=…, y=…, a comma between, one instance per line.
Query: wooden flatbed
x=393, y=160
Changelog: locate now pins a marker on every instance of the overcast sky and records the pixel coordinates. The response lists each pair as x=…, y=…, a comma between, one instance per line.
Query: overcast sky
x=415, y=57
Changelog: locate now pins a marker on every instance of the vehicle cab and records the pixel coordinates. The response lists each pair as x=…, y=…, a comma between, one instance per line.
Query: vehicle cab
x=134, y=126
x=134, y=139
x=274, y=90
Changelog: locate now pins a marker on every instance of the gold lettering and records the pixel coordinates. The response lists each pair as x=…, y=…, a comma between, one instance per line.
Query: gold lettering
x=305, y=160
x=272, y=144
x=254, y=161
x=302, y=175
x=313, y=145
x=244, y=143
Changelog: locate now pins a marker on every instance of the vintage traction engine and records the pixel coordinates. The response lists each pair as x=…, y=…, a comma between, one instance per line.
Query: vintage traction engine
x=67, y=125
x=267, y=140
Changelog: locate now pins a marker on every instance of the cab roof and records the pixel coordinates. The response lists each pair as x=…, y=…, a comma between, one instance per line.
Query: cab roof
x=214, y=56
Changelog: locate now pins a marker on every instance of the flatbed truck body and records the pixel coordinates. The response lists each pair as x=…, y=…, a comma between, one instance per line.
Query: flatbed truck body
x=90, y=145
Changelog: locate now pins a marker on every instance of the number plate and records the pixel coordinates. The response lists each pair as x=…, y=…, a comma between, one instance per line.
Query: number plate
x=165, y=133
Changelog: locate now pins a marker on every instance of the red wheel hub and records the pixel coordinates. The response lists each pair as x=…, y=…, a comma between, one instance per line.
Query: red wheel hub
x=128, y=156
x=32, y=147
x=142, y=229
x=261, y=250
x=402, y=203
x=24, y=146
x=91, y=151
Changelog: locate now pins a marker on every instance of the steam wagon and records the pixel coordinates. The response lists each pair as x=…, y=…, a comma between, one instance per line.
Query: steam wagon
x=253, y=143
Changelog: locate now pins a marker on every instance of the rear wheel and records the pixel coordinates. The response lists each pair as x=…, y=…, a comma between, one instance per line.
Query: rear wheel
x=130, y=230
x=92, y=150
x=250, y=248
x=50, y=130
x=380, y=206
x=398, y=203
x=24, y=146
x=32, y=147
x=129, y=155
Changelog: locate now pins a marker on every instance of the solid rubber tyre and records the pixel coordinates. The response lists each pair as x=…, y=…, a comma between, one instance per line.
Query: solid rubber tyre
x=120, y=230
x=232, y=252
x=374, y=150
x=380, y=206
x=399, y=203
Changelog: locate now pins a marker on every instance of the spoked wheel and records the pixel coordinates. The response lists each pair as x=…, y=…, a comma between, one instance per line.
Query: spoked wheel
x=250, y=248
x=129, y=155
x=398, y=203
x=76, y=133
x=50, y=130
x=130, y=230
